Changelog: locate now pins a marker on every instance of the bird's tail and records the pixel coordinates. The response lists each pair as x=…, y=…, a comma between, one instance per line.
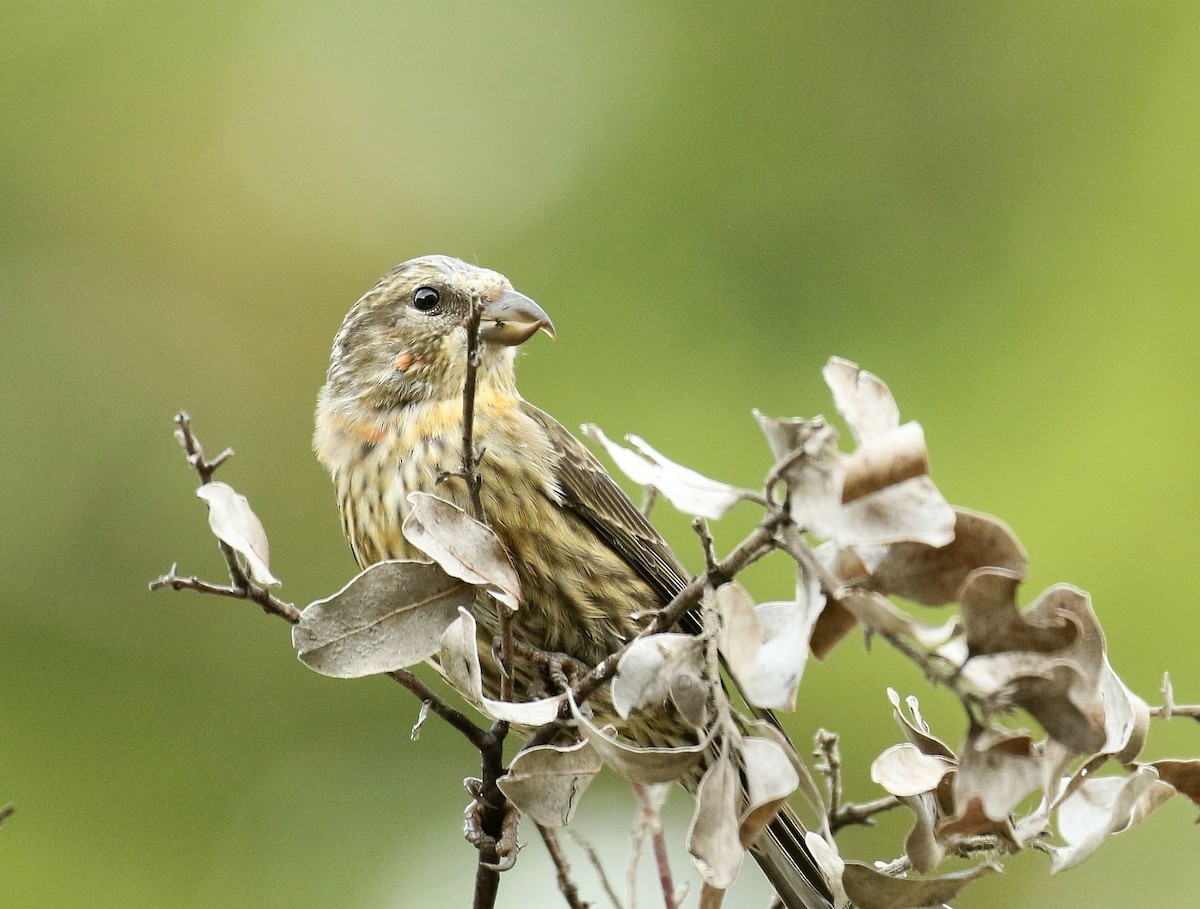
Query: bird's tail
x=789, y=865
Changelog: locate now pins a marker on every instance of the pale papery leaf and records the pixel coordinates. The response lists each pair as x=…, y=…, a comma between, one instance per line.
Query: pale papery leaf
x=922, y=845
x=933, y=575
x=650, y=668
x=464, y=547
x=235, y=524
x=642, y=765
x=972, y=820
x=547, y=782
x=911, y=511
x=713, y=840
x=994, y=624
x=917, y=730
x=458, y=661
x=770, y=779
x=830, y=864
x=861, y=398
x=1102, y=806
x=814, y=478
x=1000, y=768
x=689, y=491
x=1126, y=717
x=904, y=770
x=885, y=460
x=869, y=888
x=390, y=616
x=807, y=785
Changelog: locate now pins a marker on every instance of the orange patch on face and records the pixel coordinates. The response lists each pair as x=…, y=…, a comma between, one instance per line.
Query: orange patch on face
x=404, y=361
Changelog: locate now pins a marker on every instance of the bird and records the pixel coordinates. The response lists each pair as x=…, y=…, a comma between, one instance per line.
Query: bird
x=389, y=422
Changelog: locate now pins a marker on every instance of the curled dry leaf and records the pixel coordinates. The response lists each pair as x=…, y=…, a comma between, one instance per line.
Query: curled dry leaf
x=235, y=524
x=1000, y=768
x=642, y=765
x=872, y=889
x=547, y=782
x=463, y=546
x=830, y=864
x=713, y=839
x=390, y=616
x=1102, y=806
x=689, y=491
x=458, y=661
x=880, y=616
x=932, y=575
x=972, y=820
x=904, y=770
x=862, y=399
x=887, y=460
x=994, y=624
x=922, y=845
x=660, y=666
x=766, y=646
x=917, y=729
x=910, y=511
x=1183, y=775
x=808, y=461
x=770, y=779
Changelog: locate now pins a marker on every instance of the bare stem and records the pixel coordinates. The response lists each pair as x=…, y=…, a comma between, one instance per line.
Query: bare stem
x=653, y=826
x=562, y=869
x=593, y=857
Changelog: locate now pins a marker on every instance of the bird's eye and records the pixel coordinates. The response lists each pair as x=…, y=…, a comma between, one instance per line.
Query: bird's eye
x=426, y=299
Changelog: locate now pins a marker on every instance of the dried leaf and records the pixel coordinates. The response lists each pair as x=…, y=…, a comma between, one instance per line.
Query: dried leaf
x=880, y=616
x=1126, y=717
x=766, y=646
x=862, y=399
x=994, y=624
x=388, y=617
x=814, y=471
x=547, y=782
x=689, y=491
x=1101, y=807
x=871, y=889
x=911, y=511
x=642, y=765
x=464, y=547
x=922, y=845
x=458, y=661
x=897, y=455
x=830, y=864
x=972, y=820
x=1183, y=775
x=713, y=839
x=235, y=524
x=917, y=729
x=903, y=770
x=770, y=779
x=932, y=575
x=1000, y=768
x=655, y=668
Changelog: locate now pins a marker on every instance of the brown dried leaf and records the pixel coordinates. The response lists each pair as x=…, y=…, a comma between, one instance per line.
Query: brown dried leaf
x=994, y=624
x=458, y=661
x=770, y=779
x=388, y=617
x=660, y=666
x=463, y=546
x=235, y=524
x=862, y=399
x=689, y=491
x=1183, y=775
x=642, y=765
x=972, y=820
x=903, y=770
x=833, y=624
x=547, y=782
x=871, y=889
x=1101, y=807
x=932, y=575
x=922, y=845
x=713, y=839
x=897, y=455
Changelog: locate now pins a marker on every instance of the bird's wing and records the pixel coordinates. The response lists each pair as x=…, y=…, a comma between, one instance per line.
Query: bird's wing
x=591, y=493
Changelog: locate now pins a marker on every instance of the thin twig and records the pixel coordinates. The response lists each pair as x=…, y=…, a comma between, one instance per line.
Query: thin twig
x=653, y=825
x=830, y=765
x=863, y=813
x=562, y=869
x=250, y=591
x=594, y=858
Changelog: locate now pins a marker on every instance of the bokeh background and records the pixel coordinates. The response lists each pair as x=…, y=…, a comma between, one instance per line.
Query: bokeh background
x=993, y=206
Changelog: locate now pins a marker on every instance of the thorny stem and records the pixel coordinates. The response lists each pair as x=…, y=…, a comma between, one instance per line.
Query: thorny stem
x=562, y=869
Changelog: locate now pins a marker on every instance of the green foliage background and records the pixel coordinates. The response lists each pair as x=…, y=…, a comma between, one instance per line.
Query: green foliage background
x=993, y=206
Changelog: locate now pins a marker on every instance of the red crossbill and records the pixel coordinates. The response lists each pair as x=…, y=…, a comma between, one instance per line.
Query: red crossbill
x=390, y=422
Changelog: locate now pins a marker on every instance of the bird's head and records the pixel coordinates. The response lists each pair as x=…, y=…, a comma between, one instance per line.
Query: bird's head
x=405, y=340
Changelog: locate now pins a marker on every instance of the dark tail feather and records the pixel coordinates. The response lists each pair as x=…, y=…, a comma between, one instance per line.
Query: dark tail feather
x=789, y=866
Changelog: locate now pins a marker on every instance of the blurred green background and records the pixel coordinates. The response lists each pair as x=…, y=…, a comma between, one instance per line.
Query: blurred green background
x=993, y=206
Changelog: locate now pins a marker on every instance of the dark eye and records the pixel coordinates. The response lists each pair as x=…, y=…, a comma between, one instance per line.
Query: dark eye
x=426, y=299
